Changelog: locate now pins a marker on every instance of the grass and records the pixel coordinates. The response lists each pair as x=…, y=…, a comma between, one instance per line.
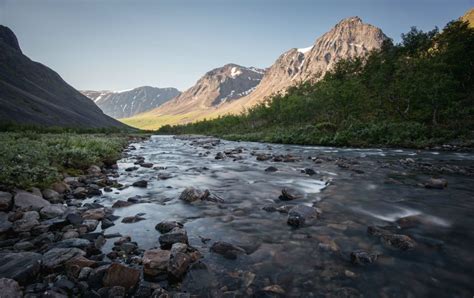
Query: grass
x=31, y=159
x=152, y=122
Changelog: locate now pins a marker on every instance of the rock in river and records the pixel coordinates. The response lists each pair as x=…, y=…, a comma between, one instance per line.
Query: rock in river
x=436, y=183
x=176, y=235
x=301, y=215
x=227, y=250
x=288, y=194
x=361, y=257
x=21, y=266
x=167, y=226
x=9, y=288
x=140, y=183
x=56, y=257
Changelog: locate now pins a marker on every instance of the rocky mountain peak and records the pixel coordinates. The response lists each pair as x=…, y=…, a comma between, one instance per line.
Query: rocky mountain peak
x=7, y=36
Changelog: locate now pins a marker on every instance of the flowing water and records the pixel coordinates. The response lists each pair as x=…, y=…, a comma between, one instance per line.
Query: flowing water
x=371, y=188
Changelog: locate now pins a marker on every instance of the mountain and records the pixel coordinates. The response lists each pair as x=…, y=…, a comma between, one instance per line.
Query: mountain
x=123, y=104
x=31, y=93
x=350, y=38
x=469, y=17
x=217, y=87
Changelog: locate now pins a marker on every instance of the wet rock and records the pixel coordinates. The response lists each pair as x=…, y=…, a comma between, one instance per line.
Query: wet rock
x=56, y=257
x=70, y=234
x=97, y=214
x=269, y=208
x=155, y=261
x=271, y=169
x=75, y=265
x=133, y=219
x=263, y=157
x=53, y=211
x=106, y=223
x=147, y=165
x=26, y=200
x=192, y=194
x=361, y=257
x=80, y=193
x=140, y=183
x=179, y=261
x=176, y=235
x=52, y=196
x=9, y=288
x=167, y=226
x=288, y=194
x=116, y=292
x=128, y=247
x=220, y=155
x=309, y=171
x=164, y=176
x=84, y=273
x=120, y=204
x=6, y=201
x=401, y=242
x=27, y=222
x=285, y=208
x=301, y=214
x=227, y=250
x=130, y=169
x=22, y=266
x=120, y=275
x=436, y=183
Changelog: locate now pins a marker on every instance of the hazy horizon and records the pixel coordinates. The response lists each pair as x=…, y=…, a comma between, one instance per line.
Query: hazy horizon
x=120, y=45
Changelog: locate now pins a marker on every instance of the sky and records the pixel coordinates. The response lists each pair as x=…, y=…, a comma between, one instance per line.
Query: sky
x=123, y=44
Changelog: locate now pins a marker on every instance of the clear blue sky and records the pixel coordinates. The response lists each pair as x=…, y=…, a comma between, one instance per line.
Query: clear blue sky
x=122, y=44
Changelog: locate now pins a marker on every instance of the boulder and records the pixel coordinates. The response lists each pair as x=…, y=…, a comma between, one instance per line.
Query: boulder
x=361, y=257
x=97, y=214
x=167, y=226
x=94, y=170
x=9, y=288
x=6, y=201
x=288, y=194
x=120, y=204
x=90, y=224
x=401, y=242
x=56, y=257
x=22, y=266
x=191, y=194
x=309, y=171
x=146, y=165
x=176, y=235
x=73, y=242
x=26, y=222
x=271, y=169
x=80, y=192
x=436, y=183
x=52, y=196
x=60, y=187
x=155, y=261
x=140, y=183
x=75, y=265
x=122, y=276
x=26, y=200
x=178, y=263
x=301, y=214
x=52, y=211
x=227, y=250
x=5, y=224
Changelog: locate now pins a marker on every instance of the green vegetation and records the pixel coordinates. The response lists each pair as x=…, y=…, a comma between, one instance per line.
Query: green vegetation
x=33, y=159
x=414, y=94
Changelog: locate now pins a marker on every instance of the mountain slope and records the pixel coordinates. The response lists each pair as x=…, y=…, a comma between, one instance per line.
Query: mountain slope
x=469, y=17
x=350, y=38
x=31, y=93
x=123, y=104
x=217, y=87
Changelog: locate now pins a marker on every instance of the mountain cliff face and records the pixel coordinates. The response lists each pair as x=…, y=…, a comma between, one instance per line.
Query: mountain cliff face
x=469, y=17
x=349, y=38
x=123, y=104
x=218, y=86
x=31, y=93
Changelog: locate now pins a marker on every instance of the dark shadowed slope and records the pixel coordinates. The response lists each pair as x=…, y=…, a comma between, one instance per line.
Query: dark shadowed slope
x=31, y=93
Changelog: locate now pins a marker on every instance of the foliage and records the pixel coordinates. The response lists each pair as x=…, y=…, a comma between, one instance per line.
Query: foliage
x=416, y=93
x=30, y=159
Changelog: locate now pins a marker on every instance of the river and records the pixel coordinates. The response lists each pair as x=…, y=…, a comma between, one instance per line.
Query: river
x=351, y=188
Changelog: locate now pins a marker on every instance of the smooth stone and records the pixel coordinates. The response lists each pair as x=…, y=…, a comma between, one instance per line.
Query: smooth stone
x=133, y=219
x=91, y=224
x=271, y=169
x=155, y=261
x=53, y=211
x=301, y=214
x=56, y=257
x=5, y=224
x=97, y=214
x=27, y=222
x=436, y=183
x=227, y=250
x=140, y=183
x=176, y=235
x=167, y=226
x=73, y=242
x=60, y=187
x=106, y=223
x=120, y=275
x=26, y=200
x=288, y=194
x=120, y=204
x=22, y=266
x=361, y=257
x=52, y=196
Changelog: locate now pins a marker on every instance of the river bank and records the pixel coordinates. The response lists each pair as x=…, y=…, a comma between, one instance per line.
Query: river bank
x=181, y=216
